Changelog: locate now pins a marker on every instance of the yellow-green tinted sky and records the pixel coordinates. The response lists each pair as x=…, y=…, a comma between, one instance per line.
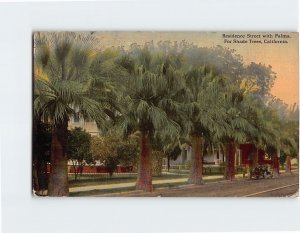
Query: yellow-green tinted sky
x=283, y=57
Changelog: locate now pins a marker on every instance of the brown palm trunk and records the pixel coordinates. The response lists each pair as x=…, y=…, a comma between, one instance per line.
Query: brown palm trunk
x=58, y=178
x=253, y=163
x=275, y=165
x=288, y=165
x=255, y=158
x=230, y=161
x=35, y=179
x=144, y=179
x=36, y=185
x=196, y=176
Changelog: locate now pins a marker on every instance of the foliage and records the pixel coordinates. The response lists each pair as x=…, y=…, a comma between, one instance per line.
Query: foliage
x=111, y=150
x=96, y=146
x=79, y=145
x=172, y=149
x=282, y=158
x=145, y=103
x=164, y=92
x=62, y=85
x=259, y=79
x=78, y=149
x=157, y=162
x=63, y=79
x=127, y=151
x=204, y=105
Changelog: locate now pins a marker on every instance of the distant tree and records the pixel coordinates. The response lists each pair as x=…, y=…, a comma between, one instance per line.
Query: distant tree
x=259, y=78
x=224, y=60
x=112, y=151
x=96, y=146
x=293, y=114
x=78, y=149
x=172, y=151
x=290, y=136
x=157, y=155
x=104, y=149
x=128, y=151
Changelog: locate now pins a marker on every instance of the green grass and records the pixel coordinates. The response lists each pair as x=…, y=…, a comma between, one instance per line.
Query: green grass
x=101, y=180
x=87, y=180
x=120, y=190
x=100, y=192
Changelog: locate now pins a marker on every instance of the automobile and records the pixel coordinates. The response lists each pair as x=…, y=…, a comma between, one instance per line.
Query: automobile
x=261, y=172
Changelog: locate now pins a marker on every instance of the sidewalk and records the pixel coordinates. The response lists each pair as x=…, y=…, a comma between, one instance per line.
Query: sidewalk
x=132, y=184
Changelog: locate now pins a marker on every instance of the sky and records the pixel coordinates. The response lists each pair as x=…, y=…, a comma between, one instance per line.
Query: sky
x=283, y=57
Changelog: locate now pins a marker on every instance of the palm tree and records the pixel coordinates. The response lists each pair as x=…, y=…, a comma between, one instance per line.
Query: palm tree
x=268, y=136
x=205, y=114
x=289, y=136
x=61, y=89
x=291, y=143
x=149, y=101
x=240, y=126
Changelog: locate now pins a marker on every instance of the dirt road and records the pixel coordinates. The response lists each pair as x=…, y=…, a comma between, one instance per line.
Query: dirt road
x=285, y=185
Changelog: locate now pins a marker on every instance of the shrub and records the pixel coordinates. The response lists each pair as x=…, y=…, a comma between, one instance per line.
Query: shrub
x=157, y=163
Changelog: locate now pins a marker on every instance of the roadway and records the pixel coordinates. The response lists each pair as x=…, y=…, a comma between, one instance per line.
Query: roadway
x=284, y=186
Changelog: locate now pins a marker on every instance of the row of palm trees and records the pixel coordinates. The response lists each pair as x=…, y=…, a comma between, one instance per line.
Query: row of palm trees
x=162, y=93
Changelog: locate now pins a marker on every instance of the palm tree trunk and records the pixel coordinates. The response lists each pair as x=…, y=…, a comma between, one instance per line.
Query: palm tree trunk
x=288, y=165
x=255, y=158
x=253, y=163
x=144, y=179
x=230, y=161
x=196, y=176
x=275, y=165
x=36, y=185
x=58, y=179
x=168, y=165
x=35, y=180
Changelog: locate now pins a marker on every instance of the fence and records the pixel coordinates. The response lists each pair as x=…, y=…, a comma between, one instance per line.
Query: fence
x=90, y=169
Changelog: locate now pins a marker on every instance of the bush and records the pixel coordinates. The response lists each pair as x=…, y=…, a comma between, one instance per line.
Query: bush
x=111, y=150
x=157, y=163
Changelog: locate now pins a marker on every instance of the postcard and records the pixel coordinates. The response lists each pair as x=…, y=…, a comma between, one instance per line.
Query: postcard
x=165, y=114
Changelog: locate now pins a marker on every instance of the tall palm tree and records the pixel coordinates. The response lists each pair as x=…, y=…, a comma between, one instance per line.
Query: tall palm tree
x=205, y=113
x=149, y=101
x=289, y=136
x=61, y=88
x=292, y=134
x=240, y=126
x=268, y=135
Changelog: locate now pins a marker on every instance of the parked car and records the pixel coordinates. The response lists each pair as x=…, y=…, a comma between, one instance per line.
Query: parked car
x=261, y=172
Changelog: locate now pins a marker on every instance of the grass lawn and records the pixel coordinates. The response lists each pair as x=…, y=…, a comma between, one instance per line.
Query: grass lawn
x=119, y=190
x=96, y=179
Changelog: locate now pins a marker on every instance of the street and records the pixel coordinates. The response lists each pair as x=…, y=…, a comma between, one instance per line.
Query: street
x=285, y=185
